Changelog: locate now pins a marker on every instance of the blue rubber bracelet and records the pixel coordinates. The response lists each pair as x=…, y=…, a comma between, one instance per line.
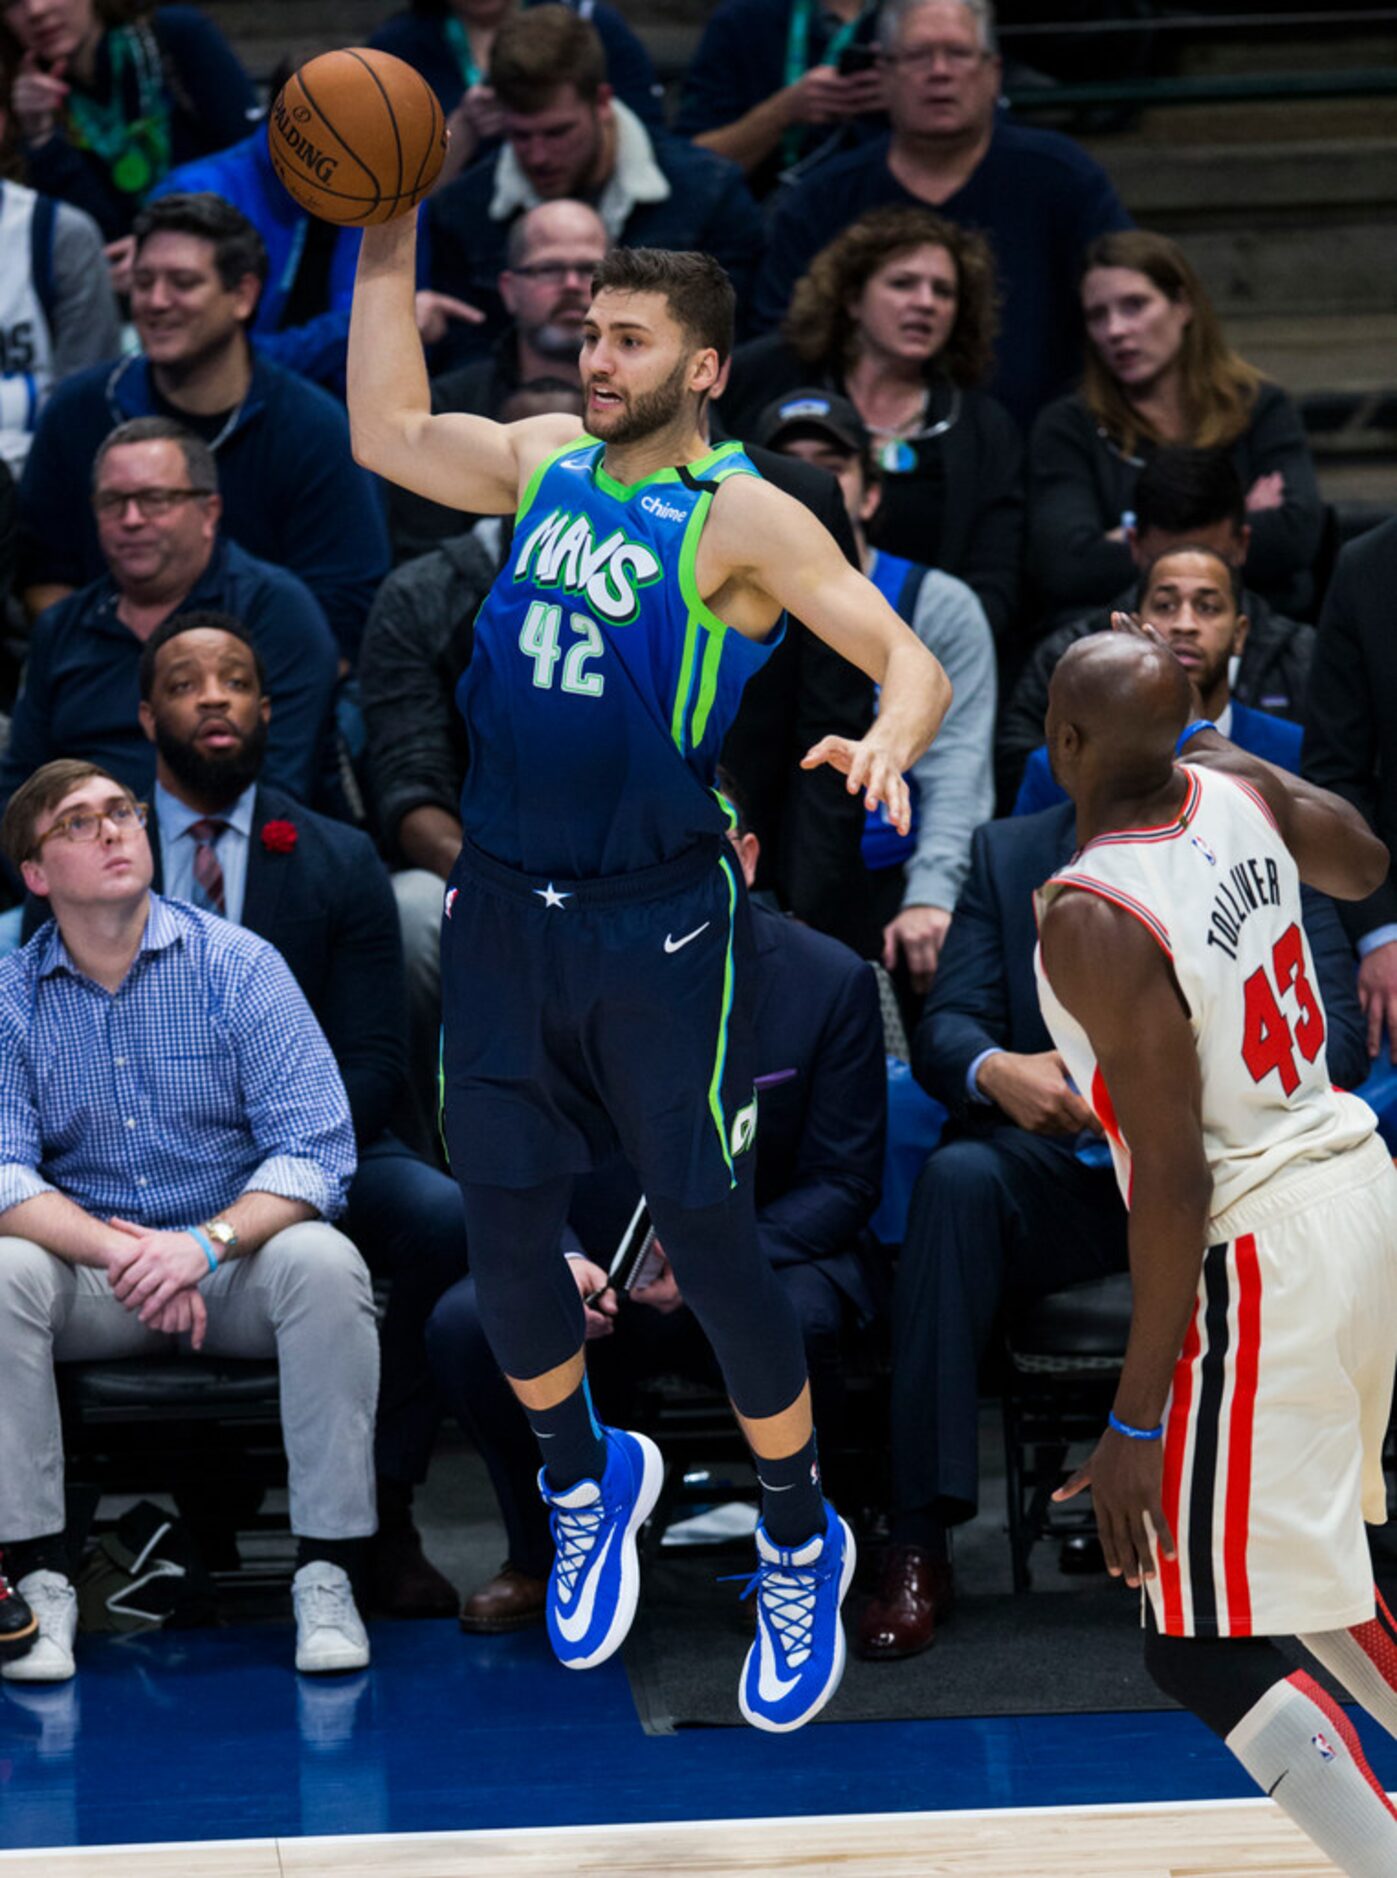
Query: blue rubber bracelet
x=1135, y=1434
x=205, y=1245
x=1192, y=730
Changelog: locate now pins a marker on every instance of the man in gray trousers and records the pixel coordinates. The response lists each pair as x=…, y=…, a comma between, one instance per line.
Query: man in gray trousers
x=174, y=1139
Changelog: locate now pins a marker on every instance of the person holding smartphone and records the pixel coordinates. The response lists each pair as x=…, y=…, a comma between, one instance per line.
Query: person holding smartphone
x=776, y=81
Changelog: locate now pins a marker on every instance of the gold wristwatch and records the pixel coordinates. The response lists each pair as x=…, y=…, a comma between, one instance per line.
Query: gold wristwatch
x=223, y=1234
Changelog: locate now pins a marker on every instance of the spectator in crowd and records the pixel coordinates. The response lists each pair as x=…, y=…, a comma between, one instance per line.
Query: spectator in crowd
x=1158, y=371
x=292, y=493
x=302, y=316
x=231, y=843
x=822, y=1088
x=545, y=288
x=1017, y=1201
x=898, y=315
x=155, y=496
x=779, y=82
x=1193, y=599
x=1184, y=497
x=451, y=41
x=57, y=310
x=567, y=135
x=106, y=109
x=914, y=879
x=1036, y=197
x=1351, y=747
x=192, y=1207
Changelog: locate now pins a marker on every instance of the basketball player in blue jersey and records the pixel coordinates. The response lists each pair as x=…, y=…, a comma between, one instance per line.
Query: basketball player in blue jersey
x=595, y=949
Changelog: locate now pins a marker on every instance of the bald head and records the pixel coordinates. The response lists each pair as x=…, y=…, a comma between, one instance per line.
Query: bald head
x=573, y=229
x=546, y=285
x=1116, y=706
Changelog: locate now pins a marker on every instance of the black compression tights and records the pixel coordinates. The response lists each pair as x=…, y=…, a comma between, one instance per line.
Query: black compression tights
x=532, y=1315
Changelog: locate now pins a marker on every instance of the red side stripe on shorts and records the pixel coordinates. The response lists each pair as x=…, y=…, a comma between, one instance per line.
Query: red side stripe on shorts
x=1237, y=1517
x=1171, y=1496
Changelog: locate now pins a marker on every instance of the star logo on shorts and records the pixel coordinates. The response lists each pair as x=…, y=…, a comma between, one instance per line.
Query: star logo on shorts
x=550, y=895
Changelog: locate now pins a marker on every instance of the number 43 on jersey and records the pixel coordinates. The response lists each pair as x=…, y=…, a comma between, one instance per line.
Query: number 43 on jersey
x=540, y=639
x=1268, y=1041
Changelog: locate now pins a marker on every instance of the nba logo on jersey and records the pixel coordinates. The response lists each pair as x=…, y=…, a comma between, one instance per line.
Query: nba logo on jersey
x=1322, y=1747
x=1205, y=850
x=451, y=893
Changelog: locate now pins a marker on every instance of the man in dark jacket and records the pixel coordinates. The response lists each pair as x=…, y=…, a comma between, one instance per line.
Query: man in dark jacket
x=1017, y=1201
x=822, y=1091
x=1184, y=497
x=566, y=135
x=292, y=492
x=1351, y=746
x=315, y=889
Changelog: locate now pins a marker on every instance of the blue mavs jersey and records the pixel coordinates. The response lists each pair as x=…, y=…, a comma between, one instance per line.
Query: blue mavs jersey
x=601, y=686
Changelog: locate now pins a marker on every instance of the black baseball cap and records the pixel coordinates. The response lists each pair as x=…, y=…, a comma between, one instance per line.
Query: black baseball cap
x=812, y=412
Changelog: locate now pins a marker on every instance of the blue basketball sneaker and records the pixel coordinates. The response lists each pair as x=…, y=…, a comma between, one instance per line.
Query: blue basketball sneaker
x=796, y=1663
x=595, y=1580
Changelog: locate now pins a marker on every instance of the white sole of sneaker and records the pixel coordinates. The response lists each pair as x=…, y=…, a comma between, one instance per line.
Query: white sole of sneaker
x=651, y=1480
x=332, y=1662
x=841, y=1656
x=24, y=1669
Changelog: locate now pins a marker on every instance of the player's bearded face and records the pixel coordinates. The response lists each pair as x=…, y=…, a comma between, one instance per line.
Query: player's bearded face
x=639, y=414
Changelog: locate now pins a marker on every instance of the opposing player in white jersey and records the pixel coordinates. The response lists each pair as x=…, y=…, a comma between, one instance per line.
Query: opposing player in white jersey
x=1244, y=1449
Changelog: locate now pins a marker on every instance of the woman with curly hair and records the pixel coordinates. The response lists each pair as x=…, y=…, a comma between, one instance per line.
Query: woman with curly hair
x=109, y=95
x=898, y=315
x=1159, y=371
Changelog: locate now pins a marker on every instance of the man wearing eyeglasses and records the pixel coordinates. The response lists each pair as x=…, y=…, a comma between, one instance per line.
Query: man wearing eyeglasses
x=191, y=1203
x=157, y=509
x=545, y=287
x=1037, y=197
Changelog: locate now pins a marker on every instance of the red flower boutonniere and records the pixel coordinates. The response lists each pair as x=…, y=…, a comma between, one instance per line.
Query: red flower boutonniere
x=279, y=837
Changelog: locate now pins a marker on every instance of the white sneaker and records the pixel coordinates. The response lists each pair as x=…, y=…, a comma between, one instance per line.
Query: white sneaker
x=55, y=1603
x=329, y=1632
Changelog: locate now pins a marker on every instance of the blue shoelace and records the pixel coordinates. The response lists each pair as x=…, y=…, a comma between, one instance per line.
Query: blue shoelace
x=786, y=1595
x=574, y=1530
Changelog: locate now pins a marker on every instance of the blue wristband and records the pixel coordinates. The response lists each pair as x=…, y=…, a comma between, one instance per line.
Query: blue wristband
x=205, y=1245
x=1134, y=1434
x=1192, y=730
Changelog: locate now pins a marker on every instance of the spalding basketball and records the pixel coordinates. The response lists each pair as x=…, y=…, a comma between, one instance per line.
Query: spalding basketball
x=356, y=137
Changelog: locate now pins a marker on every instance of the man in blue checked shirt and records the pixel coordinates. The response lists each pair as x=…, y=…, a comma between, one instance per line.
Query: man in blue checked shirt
x=174, y=1140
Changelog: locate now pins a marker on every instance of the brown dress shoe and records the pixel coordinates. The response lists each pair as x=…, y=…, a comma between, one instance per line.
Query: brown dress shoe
x=402, y=1580
x=914, y=1593
x=510, y=1601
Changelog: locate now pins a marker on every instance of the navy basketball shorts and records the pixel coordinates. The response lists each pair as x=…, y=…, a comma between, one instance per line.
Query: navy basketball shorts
x=579, y=1017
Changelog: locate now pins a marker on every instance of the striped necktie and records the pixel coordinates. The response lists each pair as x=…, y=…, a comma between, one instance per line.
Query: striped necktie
x=208, y=873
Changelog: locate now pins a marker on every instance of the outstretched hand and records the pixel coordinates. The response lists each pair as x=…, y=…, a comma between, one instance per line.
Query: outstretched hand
x=435, y=312
x=870, y=768
x=1126, y=1479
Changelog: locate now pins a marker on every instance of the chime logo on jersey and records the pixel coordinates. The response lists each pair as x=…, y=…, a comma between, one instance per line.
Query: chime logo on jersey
x=563, y=551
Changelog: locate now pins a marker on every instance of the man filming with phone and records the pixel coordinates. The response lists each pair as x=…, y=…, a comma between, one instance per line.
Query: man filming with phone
x=822, y=1100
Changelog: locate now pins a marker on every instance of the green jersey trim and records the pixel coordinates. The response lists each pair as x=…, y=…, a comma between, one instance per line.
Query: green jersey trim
x=622, y=492
x=542, y=469
x=715, y=1086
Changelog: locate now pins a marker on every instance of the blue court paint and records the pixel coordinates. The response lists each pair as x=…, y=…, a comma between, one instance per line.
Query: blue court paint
x=210, y=1734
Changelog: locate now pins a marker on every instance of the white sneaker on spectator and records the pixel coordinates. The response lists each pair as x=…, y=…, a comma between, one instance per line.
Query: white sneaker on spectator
x=329, y=1632
x=55, y=1603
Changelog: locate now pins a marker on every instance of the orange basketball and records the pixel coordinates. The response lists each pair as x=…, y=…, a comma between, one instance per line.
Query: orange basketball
x=356, y=137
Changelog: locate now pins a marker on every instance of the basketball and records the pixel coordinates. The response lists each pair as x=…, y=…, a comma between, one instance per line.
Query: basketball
x=356, y=137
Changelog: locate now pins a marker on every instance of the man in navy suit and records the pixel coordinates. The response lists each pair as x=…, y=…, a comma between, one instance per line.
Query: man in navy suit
x=822, y=1093
x=1193, y=598
x=317, y=891
x=1017, y=1201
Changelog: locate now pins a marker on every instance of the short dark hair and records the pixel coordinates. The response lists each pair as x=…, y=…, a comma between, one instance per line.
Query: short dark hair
x=180, y=623
x=1236, y=585
x=696, y=288
x=1182, y=489
x=199, y=463
x=238, y=249
x=538, y=51
x=40, y=793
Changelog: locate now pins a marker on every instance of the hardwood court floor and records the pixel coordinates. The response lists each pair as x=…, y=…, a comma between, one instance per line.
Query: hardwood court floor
x=1223, y=1839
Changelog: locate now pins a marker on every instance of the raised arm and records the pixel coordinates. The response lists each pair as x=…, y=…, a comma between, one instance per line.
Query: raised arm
x=768, y=548
x=469, y=463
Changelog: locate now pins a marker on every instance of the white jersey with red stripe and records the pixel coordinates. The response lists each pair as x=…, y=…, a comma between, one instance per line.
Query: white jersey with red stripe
x=1218, y=891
